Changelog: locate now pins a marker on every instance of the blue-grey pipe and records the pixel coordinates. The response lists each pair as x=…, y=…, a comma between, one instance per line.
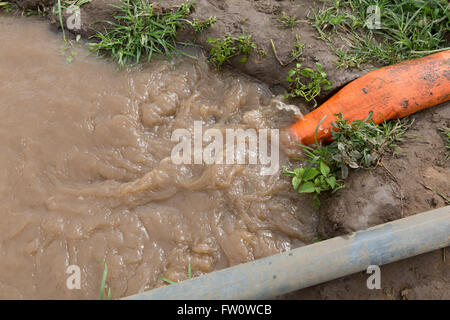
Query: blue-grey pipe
x=316, y=263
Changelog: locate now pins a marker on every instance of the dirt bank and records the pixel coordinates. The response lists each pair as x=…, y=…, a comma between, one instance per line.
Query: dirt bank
x=257, y=18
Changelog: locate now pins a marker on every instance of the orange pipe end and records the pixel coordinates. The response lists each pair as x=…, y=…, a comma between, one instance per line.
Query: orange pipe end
x=390, y=92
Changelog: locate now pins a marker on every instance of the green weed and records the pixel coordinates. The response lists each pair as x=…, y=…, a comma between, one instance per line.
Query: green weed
x=316, y=82
x=409, y=29
x=262, y=53
x=445, y=134
x=314, y=178
x=228, y=46
x=287, y=21
x=201, y=25
x=78, y=3
x=297, y=51
x=142, y=29
x=357, y=144
x=39, y=10
x=6, y=6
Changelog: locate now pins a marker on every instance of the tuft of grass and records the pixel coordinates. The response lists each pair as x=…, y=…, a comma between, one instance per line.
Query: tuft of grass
x=225, y=48
x=357, y=144
x=142, y=29
x=39, y=11
x=316, y=82
x=287, y=21
x=78, y=3
x=103, y=283
x=65, y=4
x=6, y=6
x=409, y=29
x=445, y=134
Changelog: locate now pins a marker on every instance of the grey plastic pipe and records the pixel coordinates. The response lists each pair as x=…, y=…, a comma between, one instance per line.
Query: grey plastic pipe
x=316, y=263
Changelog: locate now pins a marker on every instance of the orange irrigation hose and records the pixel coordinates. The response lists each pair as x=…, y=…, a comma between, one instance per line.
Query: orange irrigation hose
x=391, y=92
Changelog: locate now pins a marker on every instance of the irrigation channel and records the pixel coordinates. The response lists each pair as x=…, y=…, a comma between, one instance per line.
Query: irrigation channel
x=86, y=170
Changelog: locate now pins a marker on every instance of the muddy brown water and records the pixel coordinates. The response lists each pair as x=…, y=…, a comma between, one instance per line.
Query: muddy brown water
x=86, y=173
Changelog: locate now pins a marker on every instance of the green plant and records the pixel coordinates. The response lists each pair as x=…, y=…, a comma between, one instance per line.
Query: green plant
x=317, y=80
x=361, y=144
x=103, y=283
x=201, y=25
x=356, y=144
x=6, y=6
x=142, y=29
x=287, y=21
x=409, y=29
x=228, y=46
x=445, y=134
x=39, y=10
x=78, y=3
x=315, y=178
x=297, y=51
x=262, y=53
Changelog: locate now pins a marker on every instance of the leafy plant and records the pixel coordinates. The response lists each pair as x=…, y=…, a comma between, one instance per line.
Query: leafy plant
x=201, y=25
x=298, y=49
x=317, y=80
x=315, y=178
x=287, y=21
x=409, y=29
x=357, y=144
x=142, y=29
x=227, y=47
x=361, y=144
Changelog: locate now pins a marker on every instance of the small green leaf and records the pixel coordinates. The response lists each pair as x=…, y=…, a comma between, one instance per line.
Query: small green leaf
x=311, y=174
x=331, y=181
x=307, y=187
x=296, y=182
x=291, y=72
x=324, y=169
